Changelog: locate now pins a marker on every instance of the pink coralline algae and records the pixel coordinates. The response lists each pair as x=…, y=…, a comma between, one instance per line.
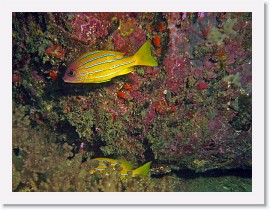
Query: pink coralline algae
x=129, y=39
x=202, y=86
x=175, y=66
x=119, y=42
x=89, y=27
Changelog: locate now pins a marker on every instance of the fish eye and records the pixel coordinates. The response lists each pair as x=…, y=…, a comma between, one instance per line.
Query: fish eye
x=71, y=73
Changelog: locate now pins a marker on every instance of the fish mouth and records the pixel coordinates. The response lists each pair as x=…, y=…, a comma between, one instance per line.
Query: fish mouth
x=65, y=79
x=72, y=80
x=68, y=80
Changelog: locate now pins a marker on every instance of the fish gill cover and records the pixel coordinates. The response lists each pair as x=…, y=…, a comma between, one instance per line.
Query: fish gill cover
x=190, y=115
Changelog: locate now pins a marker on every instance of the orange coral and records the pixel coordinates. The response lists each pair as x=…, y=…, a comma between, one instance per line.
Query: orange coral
x=156, y=41
x=56, y=51
x=159, y=51
x=121, y=94
x=127, y=86
x=53, y=75
x=163, y=108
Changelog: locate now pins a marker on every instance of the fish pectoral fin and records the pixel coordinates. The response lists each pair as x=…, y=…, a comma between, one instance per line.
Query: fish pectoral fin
x=126, y=71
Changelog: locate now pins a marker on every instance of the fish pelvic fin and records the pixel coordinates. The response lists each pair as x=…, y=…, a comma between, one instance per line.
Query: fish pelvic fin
x=143, y=170
x=143, y=55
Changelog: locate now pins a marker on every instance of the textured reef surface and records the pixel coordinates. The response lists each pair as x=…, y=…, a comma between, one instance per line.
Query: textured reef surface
x=189, y=115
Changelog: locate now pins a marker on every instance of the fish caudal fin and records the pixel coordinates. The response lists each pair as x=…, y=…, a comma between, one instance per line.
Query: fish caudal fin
x=143, y=55
x=143, y=170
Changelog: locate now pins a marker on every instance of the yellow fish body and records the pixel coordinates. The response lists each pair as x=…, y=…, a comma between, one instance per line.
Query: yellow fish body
x=102, y=66
x=125, y=165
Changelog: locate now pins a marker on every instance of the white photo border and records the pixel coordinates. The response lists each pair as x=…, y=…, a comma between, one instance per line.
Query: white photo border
x=257, y=196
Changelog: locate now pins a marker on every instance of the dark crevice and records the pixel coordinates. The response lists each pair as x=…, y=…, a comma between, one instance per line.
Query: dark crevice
x=148, y=154
x=190, y=174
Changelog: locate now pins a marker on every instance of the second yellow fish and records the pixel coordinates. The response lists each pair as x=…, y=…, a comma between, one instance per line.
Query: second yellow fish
x=102, y=66
x=126, y=166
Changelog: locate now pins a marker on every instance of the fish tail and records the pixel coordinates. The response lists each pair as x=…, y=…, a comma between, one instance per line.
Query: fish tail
x=143, y=170
x=143, y=55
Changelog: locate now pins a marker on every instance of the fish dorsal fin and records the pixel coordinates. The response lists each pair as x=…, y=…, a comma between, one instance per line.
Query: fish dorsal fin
x=87, y=56
x=123, y=163
x=143, y=170
x=116, y=54
x=104, y=160
x=119, y=54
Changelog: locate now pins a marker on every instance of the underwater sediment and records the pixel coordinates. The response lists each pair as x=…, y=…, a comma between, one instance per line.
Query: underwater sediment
x=191, y=112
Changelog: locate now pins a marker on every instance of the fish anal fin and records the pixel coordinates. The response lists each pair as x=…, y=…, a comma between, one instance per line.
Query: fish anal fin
x=126, y=71
x=100, y=81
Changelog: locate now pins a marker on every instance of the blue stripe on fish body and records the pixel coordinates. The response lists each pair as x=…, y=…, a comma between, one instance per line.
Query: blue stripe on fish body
x=88, y=54
x=96, y=58
x=100, y=63
x=111, y=68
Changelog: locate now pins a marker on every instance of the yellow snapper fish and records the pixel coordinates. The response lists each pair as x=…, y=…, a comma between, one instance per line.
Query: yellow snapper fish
x=125, y=165
x=102, y=66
